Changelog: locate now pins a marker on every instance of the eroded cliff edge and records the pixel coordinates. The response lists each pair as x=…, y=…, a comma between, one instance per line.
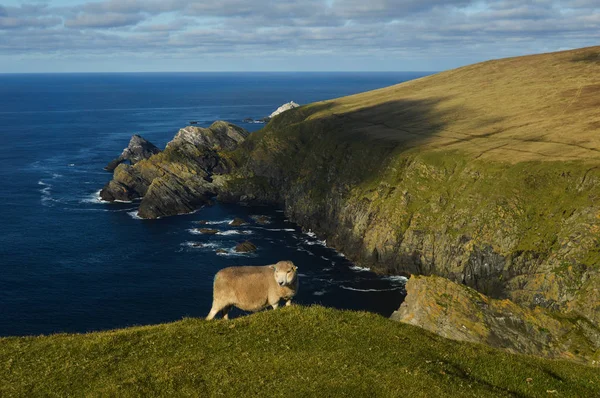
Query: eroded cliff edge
x=488, y=175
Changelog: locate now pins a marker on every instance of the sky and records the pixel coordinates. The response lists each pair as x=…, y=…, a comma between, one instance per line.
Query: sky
x=284, y=35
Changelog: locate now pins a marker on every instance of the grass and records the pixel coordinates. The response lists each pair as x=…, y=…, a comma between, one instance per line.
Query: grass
x=539, y=107
x=297, y=351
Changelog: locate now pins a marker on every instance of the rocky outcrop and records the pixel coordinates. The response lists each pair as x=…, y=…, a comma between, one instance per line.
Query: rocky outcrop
x=137, y=150
x=283, y=108
x=458, y=312
x=180, y=179
x=245, y=247
x=236, y=222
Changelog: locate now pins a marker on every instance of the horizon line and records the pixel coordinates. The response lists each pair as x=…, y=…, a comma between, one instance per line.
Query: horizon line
x=214, y=72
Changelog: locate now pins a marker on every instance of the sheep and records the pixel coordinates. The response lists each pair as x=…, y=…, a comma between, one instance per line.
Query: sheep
x=253, y=288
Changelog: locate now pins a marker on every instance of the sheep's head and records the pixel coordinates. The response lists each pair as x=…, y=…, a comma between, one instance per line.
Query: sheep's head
x=285, y=272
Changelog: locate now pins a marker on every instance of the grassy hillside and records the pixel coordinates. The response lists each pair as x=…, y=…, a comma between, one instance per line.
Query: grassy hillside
x=540, y=107
x=488, y=175
x=289, y=352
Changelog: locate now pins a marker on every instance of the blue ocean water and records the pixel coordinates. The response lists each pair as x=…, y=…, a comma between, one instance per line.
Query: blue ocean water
x=69, y=263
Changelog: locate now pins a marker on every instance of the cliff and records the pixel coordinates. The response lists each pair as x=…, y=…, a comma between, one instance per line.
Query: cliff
x=460, y=313
x=179, y=179
x=487, y=175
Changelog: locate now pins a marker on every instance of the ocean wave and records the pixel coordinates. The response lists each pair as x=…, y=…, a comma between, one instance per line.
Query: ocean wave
x=227, y=221
x=97, y=209
x=94, y=198
x=234, y=232
x=396, y=278
x=280, y=229
x=369, y=290
x=301, y=249
x=134, y=215
x=200, y=245
x=360, y=269
x=232, y=252
x=319, y=292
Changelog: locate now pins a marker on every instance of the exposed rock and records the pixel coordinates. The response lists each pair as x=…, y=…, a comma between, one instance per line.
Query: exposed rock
x=283, y=108
x=245, y=247
x=458, y=312
x=221, y=251
x=196, y=244
x=181, y=178
x=237, y=222
x=261, y=219
x=207, y=231
x=138, y=149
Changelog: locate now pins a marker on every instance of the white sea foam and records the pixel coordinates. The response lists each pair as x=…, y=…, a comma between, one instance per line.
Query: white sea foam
x=369, y=290
x=71, y=164
x=94, y=198
x=360, y=269
x=200, y=245
x=134, y=215
x=319, y=292
x=311, y=242
x=280, y=229
x=396, y=278
x=301, y=249
x=232, y=252
x=219, y=222
x=234, y=232
x=311, y=234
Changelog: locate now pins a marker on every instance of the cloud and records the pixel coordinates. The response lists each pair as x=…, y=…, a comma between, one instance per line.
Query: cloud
x=400, y=29
x=109, y=20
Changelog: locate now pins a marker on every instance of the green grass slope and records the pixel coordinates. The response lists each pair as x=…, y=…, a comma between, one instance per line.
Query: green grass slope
x=295, y=351
x=488, y=175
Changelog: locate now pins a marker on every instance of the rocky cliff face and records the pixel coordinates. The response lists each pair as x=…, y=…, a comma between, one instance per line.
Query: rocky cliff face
x=496, y=186
x=283, y=108
x=502, y=196
x=457, y=312
x=138, y=149
x=179, y=179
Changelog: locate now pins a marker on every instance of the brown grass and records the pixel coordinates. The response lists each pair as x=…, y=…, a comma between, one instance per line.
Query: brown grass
x=539, y=107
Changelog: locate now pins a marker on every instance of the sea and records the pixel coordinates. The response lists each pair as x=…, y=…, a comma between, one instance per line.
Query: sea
x=71, y=263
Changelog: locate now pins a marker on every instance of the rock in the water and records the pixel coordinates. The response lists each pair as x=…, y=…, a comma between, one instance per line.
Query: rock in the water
x=458, y=312
x=263, y=220
x=221, y=251
x=245, y=247
x=237, y=222
x=138, y=149
x=207, y=231
x=283, y=108
x=196, y=244
x=181, y=178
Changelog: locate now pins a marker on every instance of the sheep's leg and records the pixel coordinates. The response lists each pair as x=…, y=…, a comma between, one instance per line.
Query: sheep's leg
x=275, y=306
x=288, y=303
x=226, y=312
x=213, y=311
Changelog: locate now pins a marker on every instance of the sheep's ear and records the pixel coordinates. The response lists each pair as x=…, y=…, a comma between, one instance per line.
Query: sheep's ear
x=273, y=266
x=295, y=268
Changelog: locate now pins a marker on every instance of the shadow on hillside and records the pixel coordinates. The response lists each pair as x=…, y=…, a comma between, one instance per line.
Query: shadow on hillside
x=403, y=122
